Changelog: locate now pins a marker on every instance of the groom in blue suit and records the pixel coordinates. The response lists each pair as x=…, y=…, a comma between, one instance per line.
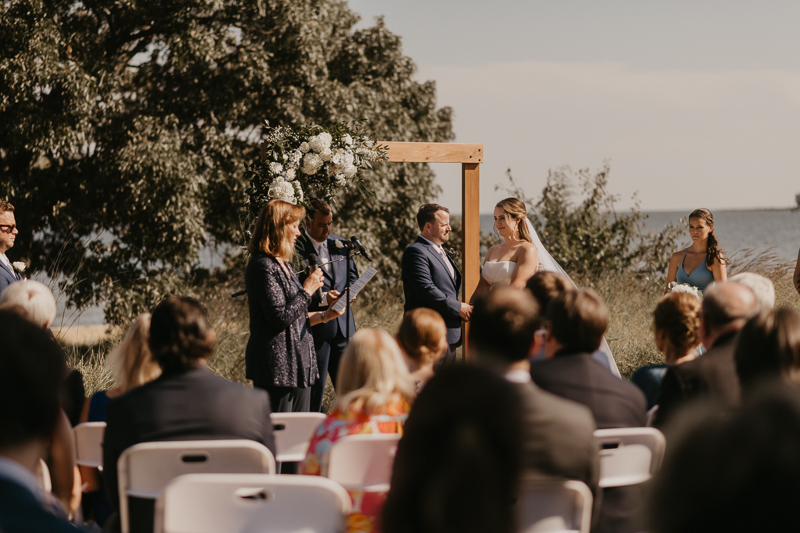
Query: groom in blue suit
x=430, y=276
x=8, y=234
x=330, y=338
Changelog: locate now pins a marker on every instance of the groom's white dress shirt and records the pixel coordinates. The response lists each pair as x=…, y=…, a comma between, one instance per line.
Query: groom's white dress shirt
x=441, y=251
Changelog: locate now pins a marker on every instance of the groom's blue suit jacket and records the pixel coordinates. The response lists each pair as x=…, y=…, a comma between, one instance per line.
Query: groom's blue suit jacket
x=427, y=283
x=7, y=277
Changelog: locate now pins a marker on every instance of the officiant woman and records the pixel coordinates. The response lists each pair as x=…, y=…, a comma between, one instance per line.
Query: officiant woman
x=280, y=355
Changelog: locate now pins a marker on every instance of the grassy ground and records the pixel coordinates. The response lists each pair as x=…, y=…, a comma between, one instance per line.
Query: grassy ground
x=631, y=299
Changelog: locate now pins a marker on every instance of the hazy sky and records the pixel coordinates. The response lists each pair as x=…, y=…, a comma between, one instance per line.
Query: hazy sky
x=694, y=103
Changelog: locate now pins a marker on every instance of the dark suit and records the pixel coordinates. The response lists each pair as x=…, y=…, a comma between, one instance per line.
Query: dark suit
x=558, y=437
x=7, y=276
x=712, y=375
x=188, y=405
x=427, y=283
x=21, y=512
x=330, y=338
x=614, y=403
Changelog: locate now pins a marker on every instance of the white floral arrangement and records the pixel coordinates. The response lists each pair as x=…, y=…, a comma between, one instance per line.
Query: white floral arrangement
x=674, y=286
x=311, y=162
x=19, y=267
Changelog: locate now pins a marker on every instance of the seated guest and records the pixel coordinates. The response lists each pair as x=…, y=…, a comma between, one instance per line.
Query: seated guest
x=738, y=473
x=187, y=402
x=768, y=348
x=762, y=288
x=545, y=286
x=576, y=323
x=375, y=393
x=422, y=337
x=458, y=464
x=726, y=308
x=131, y=364
x=31, y=371
x=558, y=438
x=676, y=325
x=34, y=302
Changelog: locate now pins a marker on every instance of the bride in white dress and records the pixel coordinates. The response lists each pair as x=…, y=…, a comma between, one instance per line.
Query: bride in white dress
x=516, y=259
x=520, y=255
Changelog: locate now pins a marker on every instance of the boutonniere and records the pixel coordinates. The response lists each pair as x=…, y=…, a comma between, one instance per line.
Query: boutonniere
x=338, y=244
x=452, y=252
x=19, y=267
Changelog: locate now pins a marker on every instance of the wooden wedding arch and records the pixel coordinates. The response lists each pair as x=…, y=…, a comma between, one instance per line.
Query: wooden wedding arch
x=470, y=156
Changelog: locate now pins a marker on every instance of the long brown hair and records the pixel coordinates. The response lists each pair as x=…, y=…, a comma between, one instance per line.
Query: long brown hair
x=131, y=362
x=271, y=230
x=713, y=251
x=515, y=209
x=677, y=315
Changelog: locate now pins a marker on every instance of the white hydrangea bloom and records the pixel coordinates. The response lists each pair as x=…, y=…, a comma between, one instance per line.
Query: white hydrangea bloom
x=304, y=147
x=338, y=157
x=290, y=174
x=349, y=171
x=280, y=189
x=311, y=163
x=275, y=168
x=320, y=142
x=326, y=154
x=348, y=159
x=348, y=141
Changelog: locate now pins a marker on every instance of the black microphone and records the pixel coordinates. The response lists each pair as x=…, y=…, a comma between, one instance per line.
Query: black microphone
x=361, y=248
x=312, y=263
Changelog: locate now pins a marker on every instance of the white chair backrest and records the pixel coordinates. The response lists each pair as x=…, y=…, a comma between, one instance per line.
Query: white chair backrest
x=629, y=455
x=293, y=432
x=363, y=462
x=43, y=475
x=144, y=469
x=89, y=443
x=250, y=503
x=554, y=507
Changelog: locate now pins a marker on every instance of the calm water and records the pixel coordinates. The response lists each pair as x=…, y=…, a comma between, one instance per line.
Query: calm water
x=776, y=230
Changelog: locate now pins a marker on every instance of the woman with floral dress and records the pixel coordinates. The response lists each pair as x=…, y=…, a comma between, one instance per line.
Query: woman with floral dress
x=375, y=394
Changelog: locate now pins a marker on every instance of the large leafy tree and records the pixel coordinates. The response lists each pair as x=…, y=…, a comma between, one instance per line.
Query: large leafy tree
x=128, y=127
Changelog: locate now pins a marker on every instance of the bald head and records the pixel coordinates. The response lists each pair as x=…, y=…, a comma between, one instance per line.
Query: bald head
x=762, y=288
x=727, y=304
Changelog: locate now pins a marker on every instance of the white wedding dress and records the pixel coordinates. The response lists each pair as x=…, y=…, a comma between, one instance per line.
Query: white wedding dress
x=500, y=272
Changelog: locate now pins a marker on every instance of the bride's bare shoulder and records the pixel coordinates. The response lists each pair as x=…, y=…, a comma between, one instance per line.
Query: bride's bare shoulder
x=527, y=250
x=491, y=252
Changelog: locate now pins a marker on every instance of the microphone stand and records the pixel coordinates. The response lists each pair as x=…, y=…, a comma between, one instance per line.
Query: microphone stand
x=348, y=262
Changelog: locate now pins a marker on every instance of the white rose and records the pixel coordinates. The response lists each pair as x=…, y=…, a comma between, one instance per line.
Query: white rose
x=316, y=144
x=304, y=147
x=348, y=159
x=290, y=174
x=338, y=158
x=326, y=154
x=326, y=139
x=19, y=266
x=275, y=168
x=311, y=163
x=347, y=139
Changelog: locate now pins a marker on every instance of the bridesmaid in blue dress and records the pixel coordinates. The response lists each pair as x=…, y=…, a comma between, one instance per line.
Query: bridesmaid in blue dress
x=703, y=261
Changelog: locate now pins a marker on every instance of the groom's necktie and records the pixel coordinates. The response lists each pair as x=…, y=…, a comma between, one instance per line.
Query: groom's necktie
x=446, y=262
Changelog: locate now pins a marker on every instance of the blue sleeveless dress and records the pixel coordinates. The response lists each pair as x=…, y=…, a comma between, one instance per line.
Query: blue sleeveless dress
x=700, y=276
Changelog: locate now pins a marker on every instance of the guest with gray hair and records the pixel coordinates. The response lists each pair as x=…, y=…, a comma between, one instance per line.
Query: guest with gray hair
x=762, y=288
x=32, y=300
x=727, y=307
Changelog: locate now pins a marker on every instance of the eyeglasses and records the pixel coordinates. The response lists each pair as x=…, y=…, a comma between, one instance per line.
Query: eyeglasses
x=11, y=228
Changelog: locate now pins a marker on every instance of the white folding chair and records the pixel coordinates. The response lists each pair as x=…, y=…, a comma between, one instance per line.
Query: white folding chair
x=144, y=469
x=554, y=507
x=629, y=455
x=292, y=433
x=363, y=462
x=89, y=443
x=250, y=503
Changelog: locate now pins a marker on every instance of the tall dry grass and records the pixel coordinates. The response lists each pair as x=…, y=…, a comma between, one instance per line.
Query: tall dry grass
x=631, y=299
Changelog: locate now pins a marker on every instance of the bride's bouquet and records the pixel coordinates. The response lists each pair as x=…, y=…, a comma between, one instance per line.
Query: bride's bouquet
x=674, y=286
x=311, y=161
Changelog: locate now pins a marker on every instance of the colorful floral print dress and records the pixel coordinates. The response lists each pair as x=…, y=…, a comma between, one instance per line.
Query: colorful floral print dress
x=389, y=419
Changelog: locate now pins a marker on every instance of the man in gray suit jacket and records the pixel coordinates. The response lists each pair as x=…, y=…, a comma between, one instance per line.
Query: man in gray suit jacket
x=430, y=276
x=559, y=434
x=8, y=234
